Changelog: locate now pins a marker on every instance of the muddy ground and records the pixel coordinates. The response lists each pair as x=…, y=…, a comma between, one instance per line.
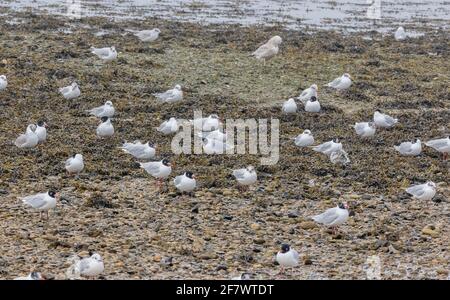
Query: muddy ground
x=114, y=207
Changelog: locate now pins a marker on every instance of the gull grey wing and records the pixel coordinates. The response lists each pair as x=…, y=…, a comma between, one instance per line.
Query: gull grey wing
x=101, y=51
x=416, y=190
x=36, y=201
x=68, y=161
x=295, y=255
x=178, y=180
x=22, y=139
x=239, y=174
x=405, y=147
x=84, y=264
x=437, y=144
x=152, y=167
x=390, y=120
x=322, y=147
x=328, y=217
x=359, y=128
x=335, y=82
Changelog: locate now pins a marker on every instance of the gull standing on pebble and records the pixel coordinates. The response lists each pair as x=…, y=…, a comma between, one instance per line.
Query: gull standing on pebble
x=107, y=54
x=341, y=83
x=170, y=96
x=365, y=129
x=148, y=35
x=441, y=145
x=139, y=150
x=42, y=202
x=245, y=177
x=105, y=128
x=308, y=93
x=75, y=164
x=169, y=126
x=305, y=139
x=333, y=217
x=185, y=183
x=106, y=110
x=312, y=105
x=400, y=34
x=423, y=192
x=70, y=92
x=29, y=139
x=409, y=149
x=289, y=106
x=41, y=131
x=383, y=120
x=3, y=82
x=269, y=49
x=328, y=147
x=287, y=257
x=158, y=169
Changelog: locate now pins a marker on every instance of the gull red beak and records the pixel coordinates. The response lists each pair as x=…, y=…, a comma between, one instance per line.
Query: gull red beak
x=45, y=125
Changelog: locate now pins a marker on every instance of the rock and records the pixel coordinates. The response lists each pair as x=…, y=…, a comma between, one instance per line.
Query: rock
x=293, y=214
x=259, y=241
x=157, y=258
x=255, y=226
x=431, y=230
x=306, y=225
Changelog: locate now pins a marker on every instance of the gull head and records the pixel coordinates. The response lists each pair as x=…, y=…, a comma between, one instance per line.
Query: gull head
x=166, y=162
x=245, y=276
x=3, y=77
x=42, y=124
x=313, y=99
x=74, y=84
x=37, y=276
x=372, y=125
x=78, y=156
x=104, y=119
x=113, y=49
x=336, y=140
x=307, y=131
x=109, y=103
x=52, y=194
x=347, y=75
x=343, y=205
x=96, y=257
x=178, y=87
x=250, y=168
x=285, y=248
x=189, y=174
x=431, y=184
x=276, y=40
x=214, y=116
x=314, y=87
x=157, y=30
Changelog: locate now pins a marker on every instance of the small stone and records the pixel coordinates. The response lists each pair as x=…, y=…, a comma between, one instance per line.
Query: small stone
x=430, y=230
x=255, y=226
x=306, y=225
x=157, y=258
x=259, y=241
x=227, y=217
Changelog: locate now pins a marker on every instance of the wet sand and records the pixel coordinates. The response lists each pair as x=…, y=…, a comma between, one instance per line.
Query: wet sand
x=115, y=209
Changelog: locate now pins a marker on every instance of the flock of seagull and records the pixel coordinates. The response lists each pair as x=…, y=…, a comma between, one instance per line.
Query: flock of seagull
x=215, y=140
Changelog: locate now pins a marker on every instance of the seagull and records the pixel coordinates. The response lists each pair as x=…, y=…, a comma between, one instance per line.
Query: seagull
x=185, y=183
x=211, y=123
x=341, y=83
x=410, y=149
x=365, y=129
x=214, y=146
x=168, y=127
x=106, y=54
x=245, y=177
x=70, y=92
x=383, y=120
x=441, y=145
x=158, y=169
x=289, y=106
x=400, y=34
x=333, y=217
x=287, y=257
x=148, y=35
x=269, y=49
x=106, y=110
x=105, y=129
x=3, y=82
x=308, y=93
x=312, y=105
x=213, y=135
x=32, y=276
x=328, y=147
x=423, y=192
x=90, y=266
x=42, y=201
x=339, y=157
x=138, y=150
x=305, y=139
x=243, y=276
x=41, y=131
x=29, y=139
x=75, y=164
x=171, y=96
